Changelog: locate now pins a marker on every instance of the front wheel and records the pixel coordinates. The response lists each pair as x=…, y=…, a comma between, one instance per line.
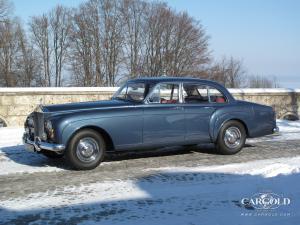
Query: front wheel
x=86, y=150
x=231, y=138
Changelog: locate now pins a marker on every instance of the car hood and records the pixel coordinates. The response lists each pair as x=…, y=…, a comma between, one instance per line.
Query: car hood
x=84, y=106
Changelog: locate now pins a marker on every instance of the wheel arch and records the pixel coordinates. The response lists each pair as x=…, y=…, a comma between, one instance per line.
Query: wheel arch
x=243, y=123
x=218, y=127
x=108, y=140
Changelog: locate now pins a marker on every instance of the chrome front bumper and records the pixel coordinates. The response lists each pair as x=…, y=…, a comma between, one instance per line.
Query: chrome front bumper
x=33, y=146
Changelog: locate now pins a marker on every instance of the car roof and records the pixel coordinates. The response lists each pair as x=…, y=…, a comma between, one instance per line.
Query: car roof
x=155, y=80
x=171, y=79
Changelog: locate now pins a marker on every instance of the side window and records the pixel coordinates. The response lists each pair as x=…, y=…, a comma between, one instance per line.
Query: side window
x=165, y=94
x=215, y=96
x=136, y=91
x=195, y=93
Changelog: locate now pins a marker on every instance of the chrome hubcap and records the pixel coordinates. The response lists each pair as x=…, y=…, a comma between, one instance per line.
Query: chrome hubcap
x=87, y=149
x=232, y=137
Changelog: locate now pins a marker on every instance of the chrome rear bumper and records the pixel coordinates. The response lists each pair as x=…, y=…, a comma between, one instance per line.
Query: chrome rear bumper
x=276, y=130
x=33, y=146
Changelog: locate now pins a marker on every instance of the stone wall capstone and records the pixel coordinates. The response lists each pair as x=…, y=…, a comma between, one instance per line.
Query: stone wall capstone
x=17, y=103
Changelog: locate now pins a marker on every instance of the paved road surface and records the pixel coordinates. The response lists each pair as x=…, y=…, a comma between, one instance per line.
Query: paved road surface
x=130, y=165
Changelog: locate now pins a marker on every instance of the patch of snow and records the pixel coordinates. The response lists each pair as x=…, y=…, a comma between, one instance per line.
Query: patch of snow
x=288, y=126
x=168, y=196
x=15, y=159
x=288, y=130
x=106, y=191
x=265, y=168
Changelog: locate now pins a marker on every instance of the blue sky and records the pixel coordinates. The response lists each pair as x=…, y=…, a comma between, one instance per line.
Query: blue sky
x=264, y=34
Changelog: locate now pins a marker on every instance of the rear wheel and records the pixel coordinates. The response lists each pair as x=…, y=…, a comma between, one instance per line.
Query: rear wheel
x=231, y=138
x=86, y=150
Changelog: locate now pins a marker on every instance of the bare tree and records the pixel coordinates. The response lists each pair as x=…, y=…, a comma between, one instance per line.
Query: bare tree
x=28, y=64
x=5, y=10
x=229, y=72
x=96, y=43
x=18, y=65
x=111, y=38
x=40, y=32
x=50, y=33
x=9, y=49
x=257, y=81
x=133, y=15
x=60, y=26
x=175, y=43
x=85, y=42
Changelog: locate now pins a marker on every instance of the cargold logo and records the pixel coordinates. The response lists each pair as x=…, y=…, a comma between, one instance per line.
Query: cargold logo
x=266, y=201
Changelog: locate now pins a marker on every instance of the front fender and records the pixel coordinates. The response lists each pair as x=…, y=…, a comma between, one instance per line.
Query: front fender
x=66, y=127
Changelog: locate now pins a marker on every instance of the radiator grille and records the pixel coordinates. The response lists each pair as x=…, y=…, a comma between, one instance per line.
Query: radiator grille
x=38, y=120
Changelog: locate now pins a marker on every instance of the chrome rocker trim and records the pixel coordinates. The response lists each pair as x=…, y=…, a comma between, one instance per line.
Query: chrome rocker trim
x=38, y=145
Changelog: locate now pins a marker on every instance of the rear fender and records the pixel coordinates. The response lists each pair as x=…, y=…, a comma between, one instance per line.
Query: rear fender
x=218, y=120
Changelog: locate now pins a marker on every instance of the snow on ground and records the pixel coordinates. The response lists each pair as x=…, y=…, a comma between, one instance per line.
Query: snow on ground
x=288, y=130
x=12, y=151
x=13, y=159
x=265, y=168
x=170, y=196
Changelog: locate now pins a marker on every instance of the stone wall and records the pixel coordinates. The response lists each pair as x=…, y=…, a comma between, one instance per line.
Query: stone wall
x=17, y=103
x=286, y=102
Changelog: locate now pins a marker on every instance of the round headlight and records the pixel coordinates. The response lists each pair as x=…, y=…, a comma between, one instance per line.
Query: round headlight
x=48, y=125
x=49, y=129
x=30, y=122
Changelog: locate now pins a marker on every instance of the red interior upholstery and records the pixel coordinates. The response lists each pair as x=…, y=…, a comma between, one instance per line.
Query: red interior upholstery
x=164, y=101
x=220, y=100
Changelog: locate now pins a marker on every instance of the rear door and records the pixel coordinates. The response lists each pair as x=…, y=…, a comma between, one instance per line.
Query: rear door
x=200, y=102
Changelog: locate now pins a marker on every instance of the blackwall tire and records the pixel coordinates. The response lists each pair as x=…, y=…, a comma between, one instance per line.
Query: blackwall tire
x=231, y=138
x=86, y=150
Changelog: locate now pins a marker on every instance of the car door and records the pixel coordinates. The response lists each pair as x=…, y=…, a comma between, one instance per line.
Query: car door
x=163, y=115
x=200, y=102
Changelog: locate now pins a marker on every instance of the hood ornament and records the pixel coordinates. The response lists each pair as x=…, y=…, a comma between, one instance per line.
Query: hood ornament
x=39, y=107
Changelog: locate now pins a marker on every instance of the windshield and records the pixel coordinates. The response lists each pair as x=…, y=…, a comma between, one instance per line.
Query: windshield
x=131, y=92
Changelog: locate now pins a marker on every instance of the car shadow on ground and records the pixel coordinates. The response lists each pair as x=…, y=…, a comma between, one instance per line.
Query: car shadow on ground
x=20, y=156
x=160, y=152
x=169, y=198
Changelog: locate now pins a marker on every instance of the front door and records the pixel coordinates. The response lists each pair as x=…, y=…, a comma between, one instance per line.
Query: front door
x=164, y=116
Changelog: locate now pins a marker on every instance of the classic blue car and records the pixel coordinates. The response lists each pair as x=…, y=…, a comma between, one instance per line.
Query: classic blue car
x=147, y=113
